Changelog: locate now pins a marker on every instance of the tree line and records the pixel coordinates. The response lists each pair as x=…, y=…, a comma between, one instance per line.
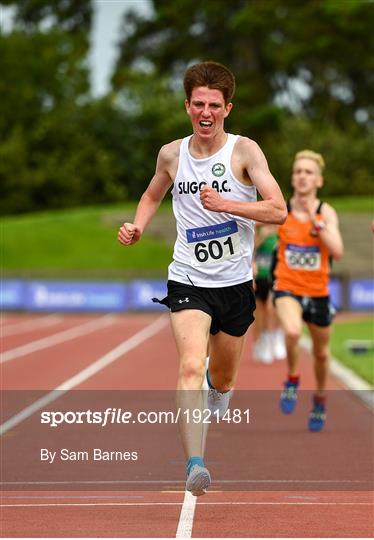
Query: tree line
x=304, y=73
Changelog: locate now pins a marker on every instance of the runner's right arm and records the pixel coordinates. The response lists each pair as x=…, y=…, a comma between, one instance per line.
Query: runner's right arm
x=130, y=233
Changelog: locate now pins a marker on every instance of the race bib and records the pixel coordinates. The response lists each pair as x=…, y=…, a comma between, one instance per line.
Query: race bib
x=214, y=243
x=303, y=257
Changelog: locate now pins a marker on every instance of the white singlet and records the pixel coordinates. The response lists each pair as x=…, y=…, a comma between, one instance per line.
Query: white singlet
x=212, y=249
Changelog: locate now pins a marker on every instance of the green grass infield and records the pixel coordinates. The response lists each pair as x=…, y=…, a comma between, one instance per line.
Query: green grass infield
x=362, y=362
x=81, y=243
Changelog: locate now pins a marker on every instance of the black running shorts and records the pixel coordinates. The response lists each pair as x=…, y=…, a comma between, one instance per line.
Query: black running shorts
x=231, y=308
x=317, y=310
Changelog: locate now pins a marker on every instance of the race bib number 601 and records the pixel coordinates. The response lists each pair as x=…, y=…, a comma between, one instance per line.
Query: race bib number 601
x=214, y=243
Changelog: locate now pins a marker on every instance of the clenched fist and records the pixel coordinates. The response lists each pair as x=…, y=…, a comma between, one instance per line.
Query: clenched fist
x=129, y=234
x=211, y=200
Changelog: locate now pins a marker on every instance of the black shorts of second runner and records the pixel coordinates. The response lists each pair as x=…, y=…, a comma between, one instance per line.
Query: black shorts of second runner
x=317, y=310
x=231, y=308
x=263, y=289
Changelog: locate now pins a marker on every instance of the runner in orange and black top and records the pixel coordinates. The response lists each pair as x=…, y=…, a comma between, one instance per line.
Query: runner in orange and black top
x=307, y=240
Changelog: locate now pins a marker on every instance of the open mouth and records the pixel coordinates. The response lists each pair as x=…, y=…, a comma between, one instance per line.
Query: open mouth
x=205, y=124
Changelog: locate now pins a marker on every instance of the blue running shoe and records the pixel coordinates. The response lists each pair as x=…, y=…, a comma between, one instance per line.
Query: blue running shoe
x=288, y=397
x=317, y=417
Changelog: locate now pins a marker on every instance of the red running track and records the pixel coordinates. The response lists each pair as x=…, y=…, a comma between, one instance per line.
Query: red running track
x=270, y=479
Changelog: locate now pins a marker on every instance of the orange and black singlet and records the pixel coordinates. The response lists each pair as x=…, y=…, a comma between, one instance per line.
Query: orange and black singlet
x=303, y=260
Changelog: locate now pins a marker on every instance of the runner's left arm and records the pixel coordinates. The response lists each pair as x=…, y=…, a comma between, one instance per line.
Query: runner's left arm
x=272, y=209
x=328, y=230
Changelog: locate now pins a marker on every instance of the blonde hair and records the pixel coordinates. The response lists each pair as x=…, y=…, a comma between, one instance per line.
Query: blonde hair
x=309, y=154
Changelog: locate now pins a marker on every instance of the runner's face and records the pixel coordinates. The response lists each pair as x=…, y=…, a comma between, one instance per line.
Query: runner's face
x=207, y=111
x=306, y=176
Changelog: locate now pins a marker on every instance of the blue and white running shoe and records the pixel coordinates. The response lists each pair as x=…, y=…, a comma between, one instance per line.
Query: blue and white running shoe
x=198, y=480
x=288, y=397
x=317, y=417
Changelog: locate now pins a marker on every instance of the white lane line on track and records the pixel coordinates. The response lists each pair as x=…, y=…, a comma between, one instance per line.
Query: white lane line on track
x=88, y=372
x=223, y=503
x=361, y=388
x=60, y=337
x=95, y=497
x=185, y=523
x=179, y=481
x=28, y=326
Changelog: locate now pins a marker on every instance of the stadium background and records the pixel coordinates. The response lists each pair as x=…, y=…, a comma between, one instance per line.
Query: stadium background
x=74, y=159
x=76, y=310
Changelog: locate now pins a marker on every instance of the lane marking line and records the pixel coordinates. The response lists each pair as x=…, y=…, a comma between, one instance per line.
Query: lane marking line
x=55, y=339
x=223, y=503
x=89, y=371
x=179, y=481
x=361, y=388
x=28, y=326
x=185, y=523
x=95, y=497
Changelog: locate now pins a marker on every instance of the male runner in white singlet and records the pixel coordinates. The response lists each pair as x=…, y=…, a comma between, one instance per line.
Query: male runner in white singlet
x=215, y=178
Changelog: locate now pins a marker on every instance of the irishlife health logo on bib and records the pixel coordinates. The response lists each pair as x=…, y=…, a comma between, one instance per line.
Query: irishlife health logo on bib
x=218, y=169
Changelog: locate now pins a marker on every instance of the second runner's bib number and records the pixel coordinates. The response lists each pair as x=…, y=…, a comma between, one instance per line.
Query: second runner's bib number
x=303, y=257
x=214, y=243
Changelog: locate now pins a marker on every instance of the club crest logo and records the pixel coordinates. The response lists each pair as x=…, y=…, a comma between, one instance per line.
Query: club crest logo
x=218, y=169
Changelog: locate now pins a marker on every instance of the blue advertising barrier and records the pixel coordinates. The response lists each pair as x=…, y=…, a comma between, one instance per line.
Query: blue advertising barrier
x=12, y=294
x=142, y=292
x=361, y=294
x=137, y=295
x=336, y=293
x=75, y=296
